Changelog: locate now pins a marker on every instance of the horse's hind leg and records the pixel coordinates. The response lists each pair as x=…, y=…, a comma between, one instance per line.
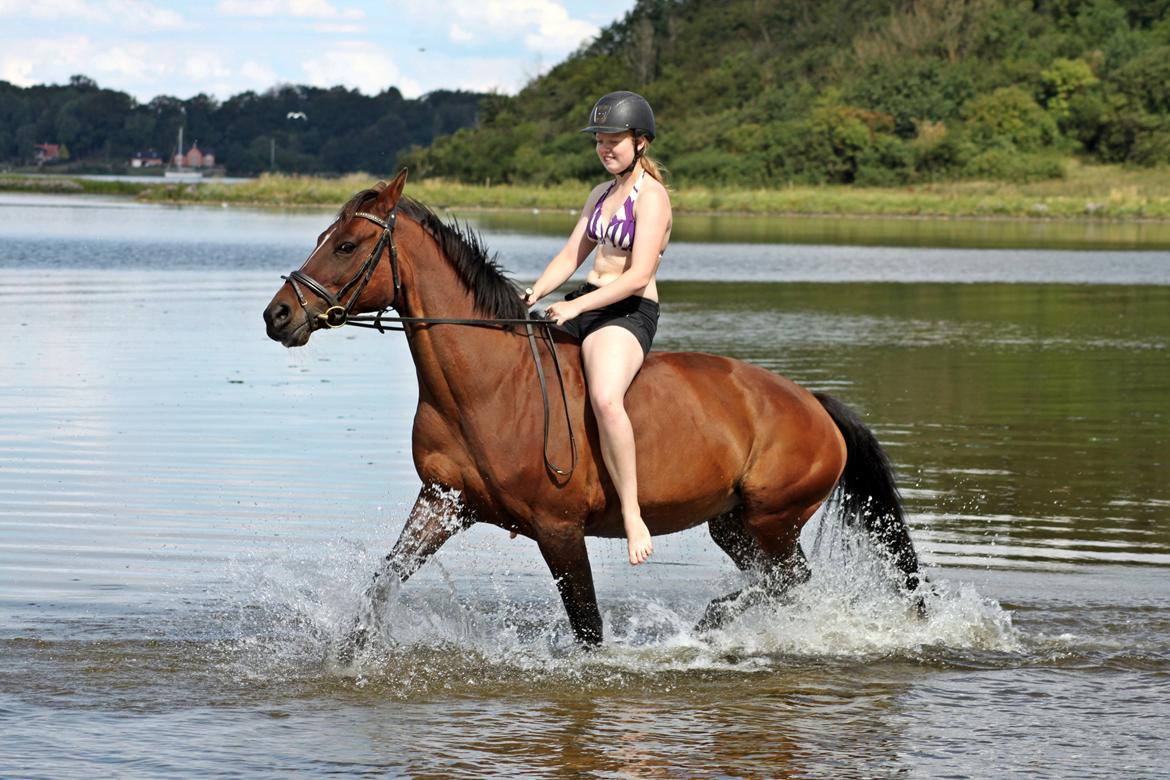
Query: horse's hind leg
x=728, y=532
x=769, y=546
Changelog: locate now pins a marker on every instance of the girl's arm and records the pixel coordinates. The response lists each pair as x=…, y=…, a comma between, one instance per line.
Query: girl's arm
x=565, y=263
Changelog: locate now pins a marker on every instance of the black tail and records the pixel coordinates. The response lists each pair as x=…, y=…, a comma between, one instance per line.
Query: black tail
x=867, y=489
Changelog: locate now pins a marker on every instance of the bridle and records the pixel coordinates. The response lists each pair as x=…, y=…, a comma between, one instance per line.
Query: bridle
x=339, y=314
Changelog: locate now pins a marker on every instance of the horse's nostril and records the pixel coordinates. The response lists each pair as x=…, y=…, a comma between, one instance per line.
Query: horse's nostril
x=277, y=314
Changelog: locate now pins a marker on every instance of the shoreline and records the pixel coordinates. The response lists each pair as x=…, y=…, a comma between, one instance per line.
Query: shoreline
x=1088, y=194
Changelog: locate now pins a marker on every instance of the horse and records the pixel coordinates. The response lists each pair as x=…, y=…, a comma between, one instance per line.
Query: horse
x=722, y=442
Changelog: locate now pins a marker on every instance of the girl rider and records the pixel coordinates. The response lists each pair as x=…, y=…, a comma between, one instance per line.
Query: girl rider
x=615, y=313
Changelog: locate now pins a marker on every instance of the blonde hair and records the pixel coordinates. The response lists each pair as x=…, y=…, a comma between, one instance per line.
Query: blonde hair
x=651, y=165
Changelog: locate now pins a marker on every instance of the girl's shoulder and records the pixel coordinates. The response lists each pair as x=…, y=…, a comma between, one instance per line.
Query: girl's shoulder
x=597, y=193
x=655, y=191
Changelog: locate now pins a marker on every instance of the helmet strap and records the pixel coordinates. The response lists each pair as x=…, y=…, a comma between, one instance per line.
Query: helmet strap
x=637, y=156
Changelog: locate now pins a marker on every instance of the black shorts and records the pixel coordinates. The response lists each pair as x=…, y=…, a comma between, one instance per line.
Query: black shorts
x=636, y=314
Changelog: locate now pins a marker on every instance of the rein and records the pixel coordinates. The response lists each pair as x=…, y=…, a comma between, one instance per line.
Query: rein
x=339, y=314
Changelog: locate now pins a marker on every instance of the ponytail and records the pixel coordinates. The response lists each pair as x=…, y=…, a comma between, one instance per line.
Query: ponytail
x=651, y=165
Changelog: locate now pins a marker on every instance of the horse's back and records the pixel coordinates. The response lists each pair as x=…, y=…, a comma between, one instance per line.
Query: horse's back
x=708, y=426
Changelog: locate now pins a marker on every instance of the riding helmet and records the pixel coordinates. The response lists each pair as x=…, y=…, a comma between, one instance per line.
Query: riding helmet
x=621, y=111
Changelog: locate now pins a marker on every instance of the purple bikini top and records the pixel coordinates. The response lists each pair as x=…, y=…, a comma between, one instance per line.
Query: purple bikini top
x=619, y=233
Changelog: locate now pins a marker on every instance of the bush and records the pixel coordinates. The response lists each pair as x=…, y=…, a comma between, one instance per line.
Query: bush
x=1010, y=165
x=1009, y=118
x=1152, y=148
x=887, y=162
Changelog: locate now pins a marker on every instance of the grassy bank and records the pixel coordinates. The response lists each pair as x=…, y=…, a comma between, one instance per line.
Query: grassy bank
x=68, y=185
x=1099, y=192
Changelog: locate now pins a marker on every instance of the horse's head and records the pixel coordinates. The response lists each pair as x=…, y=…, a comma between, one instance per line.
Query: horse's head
x=345, y=274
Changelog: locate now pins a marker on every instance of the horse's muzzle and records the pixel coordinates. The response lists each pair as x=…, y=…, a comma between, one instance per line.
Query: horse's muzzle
x=286, y=324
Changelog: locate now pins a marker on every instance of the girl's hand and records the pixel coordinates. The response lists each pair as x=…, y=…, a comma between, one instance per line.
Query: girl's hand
x=562, y=311
x=528, y=296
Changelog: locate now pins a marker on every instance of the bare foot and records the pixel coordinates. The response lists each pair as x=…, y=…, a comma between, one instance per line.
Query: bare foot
x=638, y=540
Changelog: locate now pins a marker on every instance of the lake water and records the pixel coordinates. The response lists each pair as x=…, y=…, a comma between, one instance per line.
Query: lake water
x=189, y=514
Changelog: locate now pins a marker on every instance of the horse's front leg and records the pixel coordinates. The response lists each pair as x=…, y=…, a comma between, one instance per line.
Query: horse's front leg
x=563, y=548
x=436, y=516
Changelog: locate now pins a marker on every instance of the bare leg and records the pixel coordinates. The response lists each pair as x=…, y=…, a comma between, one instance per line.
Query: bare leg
x=612, y=358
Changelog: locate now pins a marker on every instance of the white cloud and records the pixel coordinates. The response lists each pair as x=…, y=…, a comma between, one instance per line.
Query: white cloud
x=478, y=74
x=129, y=62
x=338, y=28
x=458, y=35
x=125, y=14
x=357, y=64
x=144, y=70
x=45, y=60
x=205, y=66
x=259, y=75
x=313, y=9
x=543, y=25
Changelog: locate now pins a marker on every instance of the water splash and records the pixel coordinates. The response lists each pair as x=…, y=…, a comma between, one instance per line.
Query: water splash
x=287, y=617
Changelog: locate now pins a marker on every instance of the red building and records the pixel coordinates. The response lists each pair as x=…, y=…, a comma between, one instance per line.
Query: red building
x=147, y=159
x=44, y=153
x=195, y=158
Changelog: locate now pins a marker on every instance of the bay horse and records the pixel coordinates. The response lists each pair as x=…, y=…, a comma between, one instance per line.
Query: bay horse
x=719, y=441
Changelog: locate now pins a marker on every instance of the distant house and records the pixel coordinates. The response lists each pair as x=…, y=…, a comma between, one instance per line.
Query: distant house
x=43, y=153
x=195, y=158
x=147, y=159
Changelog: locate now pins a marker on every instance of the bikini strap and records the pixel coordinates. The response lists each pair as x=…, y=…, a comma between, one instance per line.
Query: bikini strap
x=604, y=195
x=637, y=186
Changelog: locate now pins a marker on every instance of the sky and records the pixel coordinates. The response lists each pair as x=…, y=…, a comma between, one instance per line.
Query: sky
x=223, y=47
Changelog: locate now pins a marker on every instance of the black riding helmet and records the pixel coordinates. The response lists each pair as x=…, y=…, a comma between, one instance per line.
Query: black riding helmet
x=621, y=111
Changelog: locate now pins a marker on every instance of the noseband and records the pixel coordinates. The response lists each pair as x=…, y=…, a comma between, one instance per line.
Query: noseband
x=338, y=314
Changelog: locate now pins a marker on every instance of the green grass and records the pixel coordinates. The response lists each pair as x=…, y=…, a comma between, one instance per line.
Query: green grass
x=68, y=185
x=1086, y=191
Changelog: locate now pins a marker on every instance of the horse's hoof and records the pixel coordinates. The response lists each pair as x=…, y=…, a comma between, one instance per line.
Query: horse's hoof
x=354, y=642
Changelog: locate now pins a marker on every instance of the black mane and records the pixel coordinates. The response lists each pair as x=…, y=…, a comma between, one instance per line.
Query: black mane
x=495, y=295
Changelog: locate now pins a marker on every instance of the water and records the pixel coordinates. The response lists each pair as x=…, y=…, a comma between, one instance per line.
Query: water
x=189, y=513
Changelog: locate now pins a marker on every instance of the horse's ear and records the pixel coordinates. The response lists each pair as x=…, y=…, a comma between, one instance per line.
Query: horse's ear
x=379, y=186
x=388, y=197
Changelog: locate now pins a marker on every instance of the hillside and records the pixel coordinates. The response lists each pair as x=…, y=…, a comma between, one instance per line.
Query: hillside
x=874, y=92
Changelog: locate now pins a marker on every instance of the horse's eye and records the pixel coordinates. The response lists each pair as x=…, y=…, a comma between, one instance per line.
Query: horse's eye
x=345, y=247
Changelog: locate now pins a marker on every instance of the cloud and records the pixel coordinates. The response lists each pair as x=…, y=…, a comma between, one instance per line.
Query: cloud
x=259, y=75
x=339, y=28
x=458, y=35
x=142, y=69
x=128, y=63
x=44, y=60
x=125, y=14
x=477, y=74
x=206, y=66
x=312, y=9
x=545, y=26
x=357, y=64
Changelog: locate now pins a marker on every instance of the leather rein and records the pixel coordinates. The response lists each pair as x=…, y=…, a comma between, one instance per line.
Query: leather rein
x=340, y=313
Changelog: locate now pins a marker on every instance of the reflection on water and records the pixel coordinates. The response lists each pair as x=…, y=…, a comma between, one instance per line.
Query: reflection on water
x=1027, y=420
x=189, y=515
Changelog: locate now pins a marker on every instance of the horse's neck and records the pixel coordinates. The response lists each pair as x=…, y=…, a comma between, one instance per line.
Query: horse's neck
x=456, y=364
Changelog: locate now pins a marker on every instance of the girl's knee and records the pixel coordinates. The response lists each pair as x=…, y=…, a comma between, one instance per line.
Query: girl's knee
x=607, y=406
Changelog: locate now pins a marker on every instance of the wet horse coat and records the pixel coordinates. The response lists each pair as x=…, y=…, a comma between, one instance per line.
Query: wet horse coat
x=719, y=441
